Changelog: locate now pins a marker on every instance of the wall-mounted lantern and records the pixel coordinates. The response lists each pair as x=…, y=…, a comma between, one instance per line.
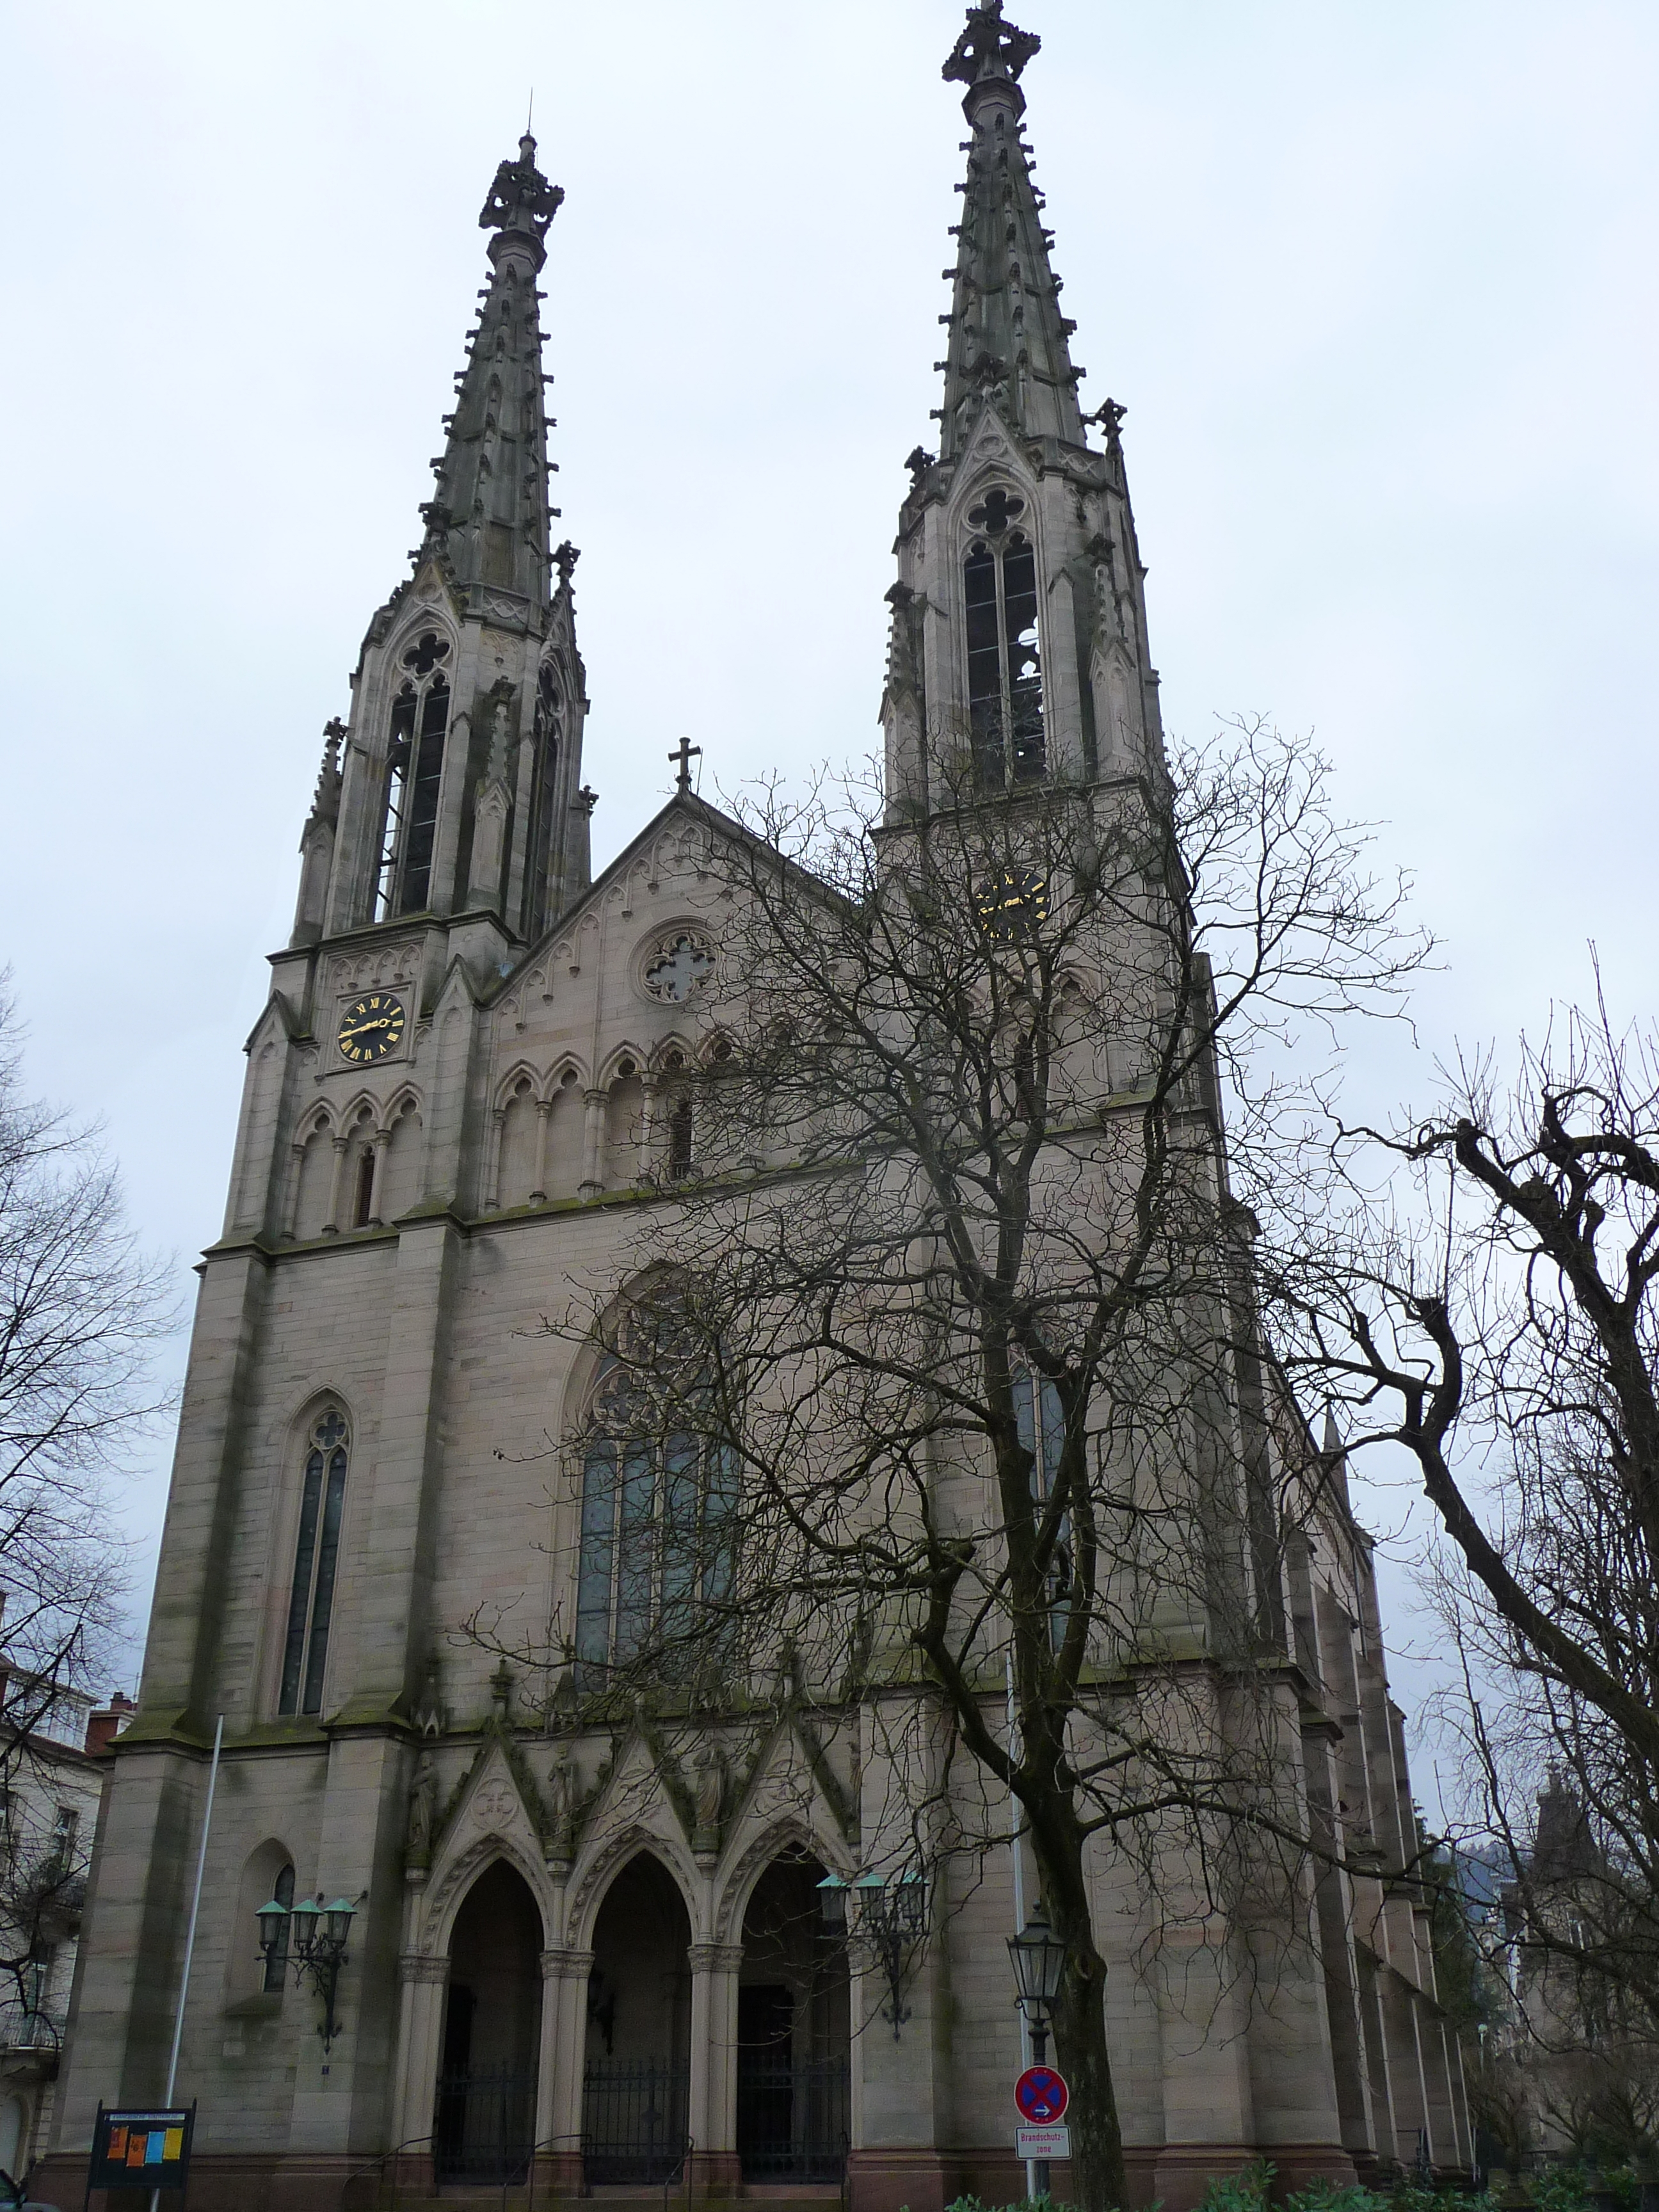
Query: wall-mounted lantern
x=316, y=1942
x=888, y=1919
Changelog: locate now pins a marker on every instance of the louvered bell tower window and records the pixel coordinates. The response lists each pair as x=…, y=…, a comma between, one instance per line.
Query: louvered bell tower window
x=1005, y=669
x=415, y=768
x=316, y=1563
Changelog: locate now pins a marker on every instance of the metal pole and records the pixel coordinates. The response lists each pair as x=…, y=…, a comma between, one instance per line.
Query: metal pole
x=1018, y=1857
x=1037, y=2168
x=190, y=1933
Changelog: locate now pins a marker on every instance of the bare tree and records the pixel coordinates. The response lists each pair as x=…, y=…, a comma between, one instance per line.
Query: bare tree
x=949, y=1300
x=1481, y=1288
x=81, y=1309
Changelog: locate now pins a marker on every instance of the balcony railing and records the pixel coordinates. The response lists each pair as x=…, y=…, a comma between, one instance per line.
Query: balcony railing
x=29, y=2027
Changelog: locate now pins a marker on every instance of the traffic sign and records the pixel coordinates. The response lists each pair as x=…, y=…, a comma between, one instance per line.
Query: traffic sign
x=1041, y=2096
x=1042, y=2144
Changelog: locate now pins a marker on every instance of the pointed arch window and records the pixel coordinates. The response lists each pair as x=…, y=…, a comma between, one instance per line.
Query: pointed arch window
x=316, y=1565
x=1040, y=1420
x=658, y=1534
x=415, y=768
x=549, y=708
x=1004, y=665
x=276, y=1959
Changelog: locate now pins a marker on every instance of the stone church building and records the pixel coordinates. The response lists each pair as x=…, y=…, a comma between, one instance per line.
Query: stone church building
x=571, y=1957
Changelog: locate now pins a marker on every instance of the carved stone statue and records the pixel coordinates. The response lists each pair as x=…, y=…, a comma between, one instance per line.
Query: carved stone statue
x=561, y=1796
x=423, y=1808
x=711, y=1789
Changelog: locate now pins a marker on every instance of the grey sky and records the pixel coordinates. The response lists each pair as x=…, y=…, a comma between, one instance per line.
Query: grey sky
x=1375, y=284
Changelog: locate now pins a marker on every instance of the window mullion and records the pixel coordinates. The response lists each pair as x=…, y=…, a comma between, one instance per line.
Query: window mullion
x=1004, y=676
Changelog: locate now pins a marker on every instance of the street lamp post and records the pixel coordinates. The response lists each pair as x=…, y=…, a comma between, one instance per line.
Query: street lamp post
x=1039, y=1960
x=317, y=1936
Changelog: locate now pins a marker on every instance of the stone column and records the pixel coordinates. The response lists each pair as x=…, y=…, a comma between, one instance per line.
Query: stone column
x=712, y=2106
x=342, y=1146
x=648, y=1104
x=492, y=1179
x=424, y=1986
x=559, y=2074
x=291, y=1202
x=543, y=1115
x=593, y=1143
x=377, y=1186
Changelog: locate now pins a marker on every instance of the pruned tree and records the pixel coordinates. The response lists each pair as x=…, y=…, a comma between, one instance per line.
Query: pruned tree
x=81, y=1310
x=1481, y=1288
x=944, y=1332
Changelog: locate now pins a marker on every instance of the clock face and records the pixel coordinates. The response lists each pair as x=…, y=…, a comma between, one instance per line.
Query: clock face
x=1013, y=903
x=371, y=1027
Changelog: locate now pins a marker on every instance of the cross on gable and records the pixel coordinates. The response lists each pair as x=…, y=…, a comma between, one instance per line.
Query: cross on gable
x=989, y=48
x=996, y=513
x=684, y=753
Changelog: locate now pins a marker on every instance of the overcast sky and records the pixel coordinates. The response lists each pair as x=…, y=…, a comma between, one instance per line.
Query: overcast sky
x=1376, y=285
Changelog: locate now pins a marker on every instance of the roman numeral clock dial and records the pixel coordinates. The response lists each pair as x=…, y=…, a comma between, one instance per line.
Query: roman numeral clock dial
x=370, y=1028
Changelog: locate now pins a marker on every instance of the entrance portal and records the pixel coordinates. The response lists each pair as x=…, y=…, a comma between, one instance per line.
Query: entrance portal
x=486, y=2123
x=637, y=2077
x=794, y=2030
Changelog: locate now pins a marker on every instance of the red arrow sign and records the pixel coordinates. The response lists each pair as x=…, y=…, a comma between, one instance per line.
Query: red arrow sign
x=1041, y=2095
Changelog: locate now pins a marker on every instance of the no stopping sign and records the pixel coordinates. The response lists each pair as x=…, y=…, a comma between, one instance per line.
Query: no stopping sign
x=1041, y=2096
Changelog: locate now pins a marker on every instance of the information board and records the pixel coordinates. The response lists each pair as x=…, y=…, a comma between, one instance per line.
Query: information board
x=141, y=2147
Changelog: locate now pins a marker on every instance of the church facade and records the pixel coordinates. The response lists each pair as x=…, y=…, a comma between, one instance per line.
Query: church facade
x=577, y=1958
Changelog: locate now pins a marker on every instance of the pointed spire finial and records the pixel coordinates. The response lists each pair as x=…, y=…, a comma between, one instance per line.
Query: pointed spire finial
x=521, y=199
x=990, y=47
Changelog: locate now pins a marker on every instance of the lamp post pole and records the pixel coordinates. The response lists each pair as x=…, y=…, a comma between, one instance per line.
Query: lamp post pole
x=1038, y=1958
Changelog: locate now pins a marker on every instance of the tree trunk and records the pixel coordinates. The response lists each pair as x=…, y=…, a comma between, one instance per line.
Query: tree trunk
x=1080, y=2052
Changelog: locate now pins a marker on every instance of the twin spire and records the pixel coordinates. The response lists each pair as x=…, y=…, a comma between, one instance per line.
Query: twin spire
x=487, y=520
x=1008, y=340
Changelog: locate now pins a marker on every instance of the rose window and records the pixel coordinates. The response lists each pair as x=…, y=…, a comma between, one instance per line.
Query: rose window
x=679, y=965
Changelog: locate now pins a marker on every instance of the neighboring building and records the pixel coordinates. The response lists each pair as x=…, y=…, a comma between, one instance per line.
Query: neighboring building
x=458, y=1097
x=1569, y=2063
x=53, y=1774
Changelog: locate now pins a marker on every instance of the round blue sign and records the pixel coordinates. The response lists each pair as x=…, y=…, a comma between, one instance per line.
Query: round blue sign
x=1041, y=2095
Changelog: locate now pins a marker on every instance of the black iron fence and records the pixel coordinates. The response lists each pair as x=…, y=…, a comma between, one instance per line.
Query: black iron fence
x=792, y=2118
x=486, y=2125
x=634, y=2120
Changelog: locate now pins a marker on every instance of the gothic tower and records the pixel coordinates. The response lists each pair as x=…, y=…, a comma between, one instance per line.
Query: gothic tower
x=460, y=792
x=1018, y=653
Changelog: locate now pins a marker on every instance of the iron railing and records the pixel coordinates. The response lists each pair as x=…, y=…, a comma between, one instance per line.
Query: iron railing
x=486, y=2125
x=29, y=2027
x=793, y=2119
x=634, y=2113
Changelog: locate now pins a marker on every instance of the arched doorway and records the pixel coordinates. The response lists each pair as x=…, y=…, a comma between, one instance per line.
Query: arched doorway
x=635, y=2082
x=486, y=2111
x=794, y=2030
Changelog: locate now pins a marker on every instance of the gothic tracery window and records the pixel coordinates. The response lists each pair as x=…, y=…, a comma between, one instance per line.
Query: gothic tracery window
x=658, y=1533
x=1004, y=670
x=415, y=767
x=316, y=1564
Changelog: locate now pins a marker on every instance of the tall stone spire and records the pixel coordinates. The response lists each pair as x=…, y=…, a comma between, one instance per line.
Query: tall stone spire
x=460, y=795
x=1008, y=337
x=487, y=520
x=1018, y=657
